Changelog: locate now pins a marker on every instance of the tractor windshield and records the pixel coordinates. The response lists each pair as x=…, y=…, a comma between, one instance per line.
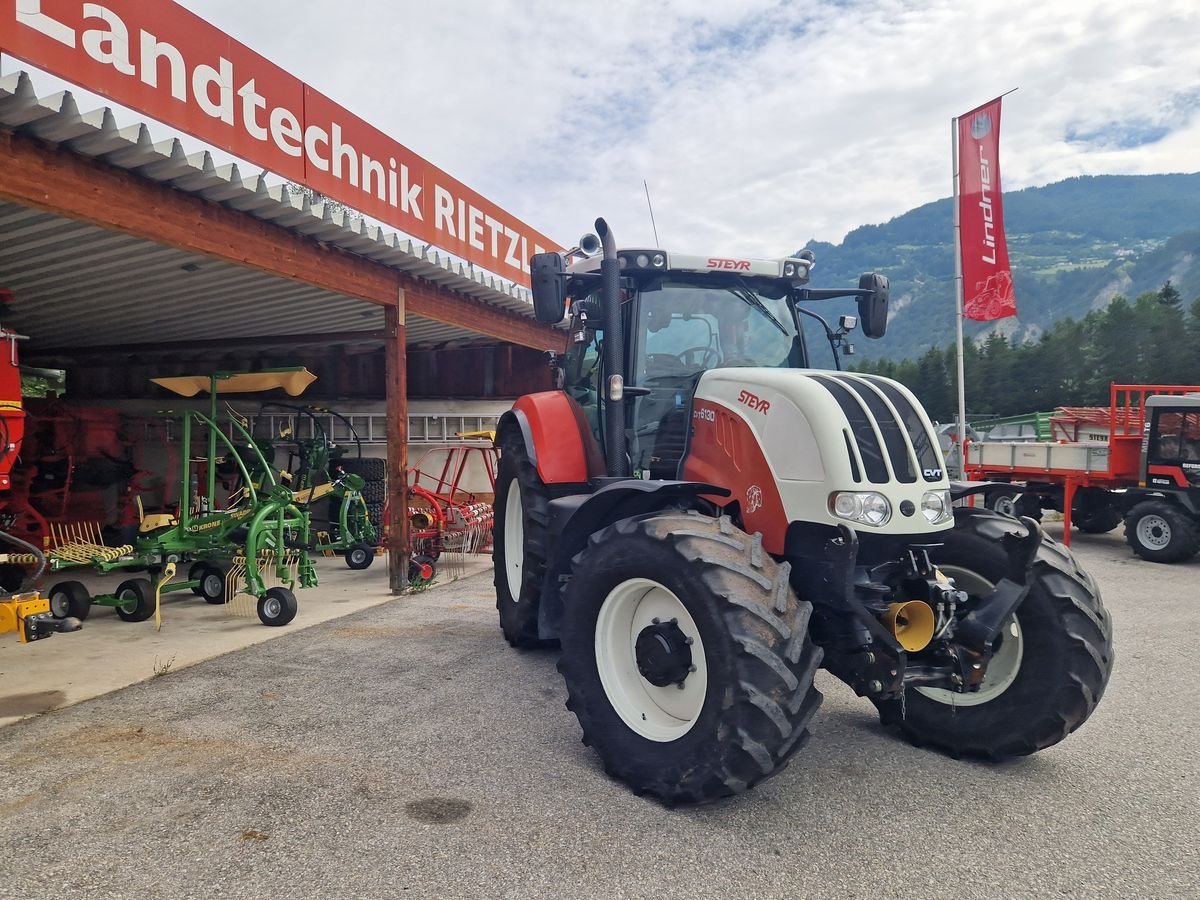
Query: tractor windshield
x=687, y=327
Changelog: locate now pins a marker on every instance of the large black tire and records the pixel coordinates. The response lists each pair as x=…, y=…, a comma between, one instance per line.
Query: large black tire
x=1066, y=650
x=1159, y=531
x=519, y=584
x=138, y=593
x=1096, y=521
x=69, y=599
x=758, y=696
x=1092, y=511
x=369, y=468
x=375, y=491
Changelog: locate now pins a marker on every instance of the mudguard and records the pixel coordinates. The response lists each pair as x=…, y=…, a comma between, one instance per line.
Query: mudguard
x=557, y=438
x=573, y=519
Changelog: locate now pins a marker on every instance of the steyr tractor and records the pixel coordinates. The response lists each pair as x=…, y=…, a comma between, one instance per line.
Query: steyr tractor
x=702, y=516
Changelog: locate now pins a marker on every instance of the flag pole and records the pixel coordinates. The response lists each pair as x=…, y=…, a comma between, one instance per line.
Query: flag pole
x=958, y=299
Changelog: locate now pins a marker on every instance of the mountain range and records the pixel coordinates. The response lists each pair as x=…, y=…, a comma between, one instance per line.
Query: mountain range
x=1073, y=246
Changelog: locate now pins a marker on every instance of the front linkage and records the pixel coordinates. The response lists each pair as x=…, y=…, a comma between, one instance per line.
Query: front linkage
x=872, y=655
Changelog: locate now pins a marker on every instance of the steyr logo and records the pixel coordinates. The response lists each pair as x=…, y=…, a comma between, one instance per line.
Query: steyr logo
x=981, y=126
x=754, y=498
x=718, y=263
x=754, y=402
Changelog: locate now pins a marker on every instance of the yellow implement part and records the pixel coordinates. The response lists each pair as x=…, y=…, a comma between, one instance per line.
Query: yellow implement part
x=316, y=492
x=80, y=543
x=15, y=609
x=168, y=573
x=294, y=381
x=490, y=435
x=237, y=601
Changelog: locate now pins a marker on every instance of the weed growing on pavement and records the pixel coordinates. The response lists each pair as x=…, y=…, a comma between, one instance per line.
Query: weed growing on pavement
x=162, y=668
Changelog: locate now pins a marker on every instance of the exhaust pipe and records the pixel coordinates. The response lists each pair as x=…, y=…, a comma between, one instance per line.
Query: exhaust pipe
x=614, y=352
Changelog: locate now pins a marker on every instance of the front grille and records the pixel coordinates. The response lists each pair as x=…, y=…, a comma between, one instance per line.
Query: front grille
x=883, y=422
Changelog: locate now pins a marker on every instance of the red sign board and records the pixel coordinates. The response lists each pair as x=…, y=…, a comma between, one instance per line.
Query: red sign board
x=166, y=62
x=987, y=277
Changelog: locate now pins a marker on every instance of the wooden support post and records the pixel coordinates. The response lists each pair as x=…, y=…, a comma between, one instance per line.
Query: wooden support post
x=397, y=449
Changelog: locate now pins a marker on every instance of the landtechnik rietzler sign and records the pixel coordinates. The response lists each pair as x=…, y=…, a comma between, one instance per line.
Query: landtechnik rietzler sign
x=158, y=58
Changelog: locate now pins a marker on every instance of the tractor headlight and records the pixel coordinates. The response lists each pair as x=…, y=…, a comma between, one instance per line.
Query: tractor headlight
x=864, y=507
x=937, y=507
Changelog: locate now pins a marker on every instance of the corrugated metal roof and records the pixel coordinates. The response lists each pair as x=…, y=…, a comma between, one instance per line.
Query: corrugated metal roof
x=138, y=291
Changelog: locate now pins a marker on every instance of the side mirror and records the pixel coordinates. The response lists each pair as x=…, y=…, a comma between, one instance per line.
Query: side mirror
x=873, y=307
x=549, y=287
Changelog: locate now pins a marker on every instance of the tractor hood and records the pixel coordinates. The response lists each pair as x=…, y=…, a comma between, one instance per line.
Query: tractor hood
x=839, y=448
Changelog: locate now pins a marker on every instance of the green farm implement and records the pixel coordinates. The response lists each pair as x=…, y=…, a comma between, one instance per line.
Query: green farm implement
x=258, y=544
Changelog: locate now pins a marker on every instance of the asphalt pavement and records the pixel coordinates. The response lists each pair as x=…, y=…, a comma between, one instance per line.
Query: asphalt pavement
x=407, y=751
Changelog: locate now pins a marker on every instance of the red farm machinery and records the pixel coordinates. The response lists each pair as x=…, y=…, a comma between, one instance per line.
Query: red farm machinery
x=1137, y=461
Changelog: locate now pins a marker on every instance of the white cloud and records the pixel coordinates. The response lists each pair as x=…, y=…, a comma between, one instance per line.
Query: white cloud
x=757, y=124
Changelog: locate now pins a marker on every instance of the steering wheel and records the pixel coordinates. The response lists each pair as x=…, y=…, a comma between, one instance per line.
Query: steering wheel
x=688, y=357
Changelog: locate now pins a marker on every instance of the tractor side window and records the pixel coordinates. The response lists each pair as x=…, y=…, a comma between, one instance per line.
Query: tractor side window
x=1168, y=430
x=583, y=376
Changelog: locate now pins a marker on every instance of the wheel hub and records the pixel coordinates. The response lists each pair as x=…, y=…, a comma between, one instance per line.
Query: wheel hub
x=663, y=653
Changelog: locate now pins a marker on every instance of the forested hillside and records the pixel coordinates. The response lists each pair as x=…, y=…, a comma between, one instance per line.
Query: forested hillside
x=1154, y=339
x=1074, y=246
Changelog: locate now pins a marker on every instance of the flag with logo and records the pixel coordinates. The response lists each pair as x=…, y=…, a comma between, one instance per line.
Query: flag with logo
x=987, y=278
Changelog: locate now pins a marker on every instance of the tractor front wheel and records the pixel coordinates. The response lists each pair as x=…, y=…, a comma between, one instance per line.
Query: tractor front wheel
x=520, y=542
x=1050, y=663
x=137, y=600
x=277, y=607
x=687, y=656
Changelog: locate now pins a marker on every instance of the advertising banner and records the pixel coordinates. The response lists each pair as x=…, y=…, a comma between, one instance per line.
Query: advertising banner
x=169, y=64
x=987, y=278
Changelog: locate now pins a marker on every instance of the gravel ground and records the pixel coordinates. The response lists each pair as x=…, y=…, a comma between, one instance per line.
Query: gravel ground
x=406, y=751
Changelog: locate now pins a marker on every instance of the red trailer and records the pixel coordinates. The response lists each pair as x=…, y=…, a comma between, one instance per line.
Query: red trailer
x=1144, y=468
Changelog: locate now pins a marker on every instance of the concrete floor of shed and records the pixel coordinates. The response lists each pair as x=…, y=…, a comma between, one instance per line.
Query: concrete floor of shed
x=108, y=654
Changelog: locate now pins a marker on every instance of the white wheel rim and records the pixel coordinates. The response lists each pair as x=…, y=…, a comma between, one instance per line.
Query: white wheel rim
x=1006, y=506
x=129, y=600
x=272, y=608
x=213, y=585
x=1005, y=663
x=514, y=539
x=60, y=606
x=659, y=714
x=359, y=556
x=1154, y=532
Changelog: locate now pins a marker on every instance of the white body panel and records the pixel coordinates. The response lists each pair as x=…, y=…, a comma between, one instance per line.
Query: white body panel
x=803, y=431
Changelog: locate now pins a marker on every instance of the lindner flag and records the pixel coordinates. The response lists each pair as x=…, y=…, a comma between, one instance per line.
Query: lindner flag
x=987, y=278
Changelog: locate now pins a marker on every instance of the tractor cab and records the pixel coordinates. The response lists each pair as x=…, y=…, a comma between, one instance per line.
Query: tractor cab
x=1171, y=444
x=681, y=316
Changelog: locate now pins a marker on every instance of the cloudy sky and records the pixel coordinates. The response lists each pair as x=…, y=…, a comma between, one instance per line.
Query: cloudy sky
x=757, y=124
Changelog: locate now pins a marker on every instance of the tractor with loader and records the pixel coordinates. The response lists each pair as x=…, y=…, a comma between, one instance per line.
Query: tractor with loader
x=705, y=512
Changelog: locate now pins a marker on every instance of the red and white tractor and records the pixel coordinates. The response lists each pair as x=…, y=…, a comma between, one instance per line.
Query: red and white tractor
x=708, y=510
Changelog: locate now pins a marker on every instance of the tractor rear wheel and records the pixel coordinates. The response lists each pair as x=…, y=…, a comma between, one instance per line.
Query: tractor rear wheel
x=520, y=542
x=1050, y=663
x=687, y=656
x=1159, y=531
